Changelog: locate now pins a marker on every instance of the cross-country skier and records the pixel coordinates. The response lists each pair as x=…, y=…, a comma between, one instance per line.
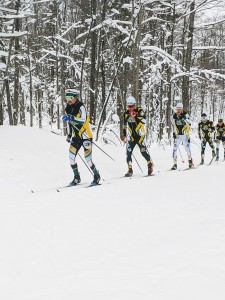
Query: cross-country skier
x=205, y=132
x=134, y=124
x=79, y=134
x=220, y=137
x=181, y=125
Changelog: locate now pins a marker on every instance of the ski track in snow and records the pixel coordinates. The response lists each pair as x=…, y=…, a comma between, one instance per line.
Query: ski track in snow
x=158, y=238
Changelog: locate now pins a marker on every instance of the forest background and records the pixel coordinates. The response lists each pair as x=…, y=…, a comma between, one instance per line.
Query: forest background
x=160, y=52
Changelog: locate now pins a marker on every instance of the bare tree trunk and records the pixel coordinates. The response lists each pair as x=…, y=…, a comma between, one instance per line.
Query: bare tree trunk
x=39, y=101
x=93, y=63
x=83, y=59
x=187, y=58
x=8, y=98
x=30, y=84
x=137, y=53
x=169, y=75
x=17, y=69
x=102, y=63
x=22, y=108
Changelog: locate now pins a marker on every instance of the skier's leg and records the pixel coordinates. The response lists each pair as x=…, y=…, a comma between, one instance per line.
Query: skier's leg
x=73, y=150
x=212, y=147
x=217, y=141
x=186, y=143
x=203, y=146
x=145, y=154
x=87, y=144
x=176, y=144
x=129, y=150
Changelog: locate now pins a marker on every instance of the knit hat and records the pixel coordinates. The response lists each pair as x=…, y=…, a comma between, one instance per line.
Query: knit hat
x=131, y=100
x=179, y=106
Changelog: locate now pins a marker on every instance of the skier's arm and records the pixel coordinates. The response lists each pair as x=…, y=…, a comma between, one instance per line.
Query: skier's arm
x=174, y=126
x=199, y=131
x=82, y=119
x=187, y=119
x=215, y=132
x=140, y=116
x=124, y=128
x=69, y=132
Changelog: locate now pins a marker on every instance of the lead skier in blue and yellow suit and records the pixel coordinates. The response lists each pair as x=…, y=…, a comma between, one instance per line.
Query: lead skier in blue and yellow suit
x=134, y=123
x=79, y=134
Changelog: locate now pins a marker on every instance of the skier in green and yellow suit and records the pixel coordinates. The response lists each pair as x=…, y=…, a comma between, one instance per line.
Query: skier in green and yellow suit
x=134, y=134
x=205, y=132
x=220, y=137
x=78, y=134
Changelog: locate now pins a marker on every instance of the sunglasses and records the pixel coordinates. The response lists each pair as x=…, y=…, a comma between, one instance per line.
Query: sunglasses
x=69, y=98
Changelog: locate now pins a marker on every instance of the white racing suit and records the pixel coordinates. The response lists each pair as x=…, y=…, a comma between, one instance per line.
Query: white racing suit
x=181, y=125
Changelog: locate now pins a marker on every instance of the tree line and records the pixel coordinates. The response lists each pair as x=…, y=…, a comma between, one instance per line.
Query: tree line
x=161, y=52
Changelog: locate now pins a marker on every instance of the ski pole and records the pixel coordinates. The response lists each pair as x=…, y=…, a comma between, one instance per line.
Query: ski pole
x=103, y=151
x=137, y=163
x=85, y=164
x=180, y=154
x=194, y=142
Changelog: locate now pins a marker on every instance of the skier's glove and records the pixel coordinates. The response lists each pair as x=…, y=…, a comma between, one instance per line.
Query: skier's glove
x=174, y=135
x=123, y=138
x=68, y=138
x=66, y=118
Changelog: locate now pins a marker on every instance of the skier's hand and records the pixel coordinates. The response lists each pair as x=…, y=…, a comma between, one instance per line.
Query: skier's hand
x=68, y=138
x=66, y=118
x=123, y=139
x=174, y=135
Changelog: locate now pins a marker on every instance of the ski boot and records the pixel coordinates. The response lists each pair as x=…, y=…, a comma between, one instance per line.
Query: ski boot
x=190, y=163
x=96, y=180
x=213, y=153
x=150, y=169
x=174, y=167
x=75, y=181
x=129, y=173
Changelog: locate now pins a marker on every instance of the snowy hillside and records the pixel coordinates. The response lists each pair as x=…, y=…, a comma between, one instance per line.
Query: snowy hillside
x=158, y=238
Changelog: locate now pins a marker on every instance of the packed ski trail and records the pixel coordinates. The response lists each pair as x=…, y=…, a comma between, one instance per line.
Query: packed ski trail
x=158, y=238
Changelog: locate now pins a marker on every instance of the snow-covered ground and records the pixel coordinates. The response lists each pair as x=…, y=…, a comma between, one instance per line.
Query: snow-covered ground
x=158, y=238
